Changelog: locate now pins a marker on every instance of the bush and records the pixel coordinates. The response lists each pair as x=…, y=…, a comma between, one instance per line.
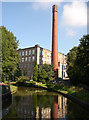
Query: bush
x=43, y=81
x=22, y=79
x=32, y=82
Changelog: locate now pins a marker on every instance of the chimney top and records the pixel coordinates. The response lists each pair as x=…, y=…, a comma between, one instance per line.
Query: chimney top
x=54, y=8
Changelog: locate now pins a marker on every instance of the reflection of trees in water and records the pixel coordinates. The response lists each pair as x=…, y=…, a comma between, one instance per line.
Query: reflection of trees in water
x=74, y=112
x=8, y=111
x=6, y=103
x=17, y=99
x=45, y=101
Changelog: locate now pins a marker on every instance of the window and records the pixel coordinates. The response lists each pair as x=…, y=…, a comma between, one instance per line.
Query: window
x=64, y=67
x=30, y=67
x=42, y=52
x=45, y=53
x=22, y=59
x=25, y=58
x=33, y=51
x=64, y=74
x=59, y=57
x=33, y=58
x=45, y=60
x=25, y=66
x=29, y=59
x=19, y=53
x=29, y=52
x=40, y=58
x=23, y=53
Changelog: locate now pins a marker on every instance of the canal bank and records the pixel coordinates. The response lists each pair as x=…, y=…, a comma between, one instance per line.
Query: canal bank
x=13, y=89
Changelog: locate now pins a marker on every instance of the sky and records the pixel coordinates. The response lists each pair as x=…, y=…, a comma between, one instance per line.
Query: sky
x=31, y=23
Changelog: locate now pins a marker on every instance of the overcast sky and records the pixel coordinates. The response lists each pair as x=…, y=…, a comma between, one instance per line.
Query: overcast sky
x=31, y=23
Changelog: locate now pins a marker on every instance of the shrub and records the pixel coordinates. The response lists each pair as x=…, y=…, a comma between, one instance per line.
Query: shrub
x=32, y=82
x=22, y=79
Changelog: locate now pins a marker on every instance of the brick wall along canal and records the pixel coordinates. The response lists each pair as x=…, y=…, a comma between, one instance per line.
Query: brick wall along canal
x=37, y=103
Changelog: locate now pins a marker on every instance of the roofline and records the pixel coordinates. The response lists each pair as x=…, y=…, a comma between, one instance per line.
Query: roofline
x=40, y=47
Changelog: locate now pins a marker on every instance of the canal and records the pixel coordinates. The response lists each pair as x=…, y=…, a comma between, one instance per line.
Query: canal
x=33, y=103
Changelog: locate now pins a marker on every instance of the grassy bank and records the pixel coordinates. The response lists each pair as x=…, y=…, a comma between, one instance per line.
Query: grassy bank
x=13, y=88
x=76, y=91
x=41, y=85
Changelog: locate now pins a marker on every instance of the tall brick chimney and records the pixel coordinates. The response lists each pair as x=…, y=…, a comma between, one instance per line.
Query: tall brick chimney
x=55, y=40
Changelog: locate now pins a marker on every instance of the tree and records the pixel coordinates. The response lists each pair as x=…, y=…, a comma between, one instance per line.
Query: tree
x=10, y=56
x=18, y=71
x=82, y=60
x=35, y=72
x=42, y=75
x=71, y=66
x=46, y=73
x=78, y=62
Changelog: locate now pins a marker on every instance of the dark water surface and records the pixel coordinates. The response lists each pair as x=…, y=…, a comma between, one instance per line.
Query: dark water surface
x=31, y=103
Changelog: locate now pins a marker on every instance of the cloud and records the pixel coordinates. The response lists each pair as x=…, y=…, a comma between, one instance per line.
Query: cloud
x=70, y=32
x=74, y=14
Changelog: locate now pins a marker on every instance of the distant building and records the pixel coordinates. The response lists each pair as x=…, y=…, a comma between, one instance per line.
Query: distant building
x=42, y=56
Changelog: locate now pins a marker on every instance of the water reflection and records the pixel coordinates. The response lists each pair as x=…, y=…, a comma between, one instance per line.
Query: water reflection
x=39, y=104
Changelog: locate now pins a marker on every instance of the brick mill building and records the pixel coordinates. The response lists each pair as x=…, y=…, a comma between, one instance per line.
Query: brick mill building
x=42, y=56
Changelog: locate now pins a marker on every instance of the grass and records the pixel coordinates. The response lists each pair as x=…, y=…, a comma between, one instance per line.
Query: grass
x=78, y=92
x=42, y=85
x=13, y=88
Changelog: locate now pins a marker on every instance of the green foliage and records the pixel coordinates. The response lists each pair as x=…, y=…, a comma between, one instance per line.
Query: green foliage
x=22, y=79
x=78, y=62
x=82, y=60
x=35, y=72
x=18, y=71
x=46, y=73
x=10, y=57
x=31, y=82
x=71, y=65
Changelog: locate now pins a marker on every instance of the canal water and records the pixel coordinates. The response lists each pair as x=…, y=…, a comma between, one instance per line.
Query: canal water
x=32, y=103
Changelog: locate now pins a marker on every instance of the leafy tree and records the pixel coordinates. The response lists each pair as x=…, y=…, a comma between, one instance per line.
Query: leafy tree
x=46, y=73
x=71, y=66
x=10, y=57
x=82, y=60
x=78, y=62
x=35, y=72
x=18, y=71
x=43, y=75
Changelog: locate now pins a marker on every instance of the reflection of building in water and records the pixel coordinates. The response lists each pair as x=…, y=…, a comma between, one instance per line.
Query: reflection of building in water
x=57, y=111
x=62, y=104
x=44, y=113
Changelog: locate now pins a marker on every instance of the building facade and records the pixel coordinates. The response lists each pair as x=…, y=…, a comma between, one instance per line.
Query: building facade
x=42, y=56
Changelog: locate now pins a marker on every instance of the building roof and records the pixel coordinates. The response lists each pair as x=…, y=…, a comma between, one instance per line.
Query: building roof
x=37, y=46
